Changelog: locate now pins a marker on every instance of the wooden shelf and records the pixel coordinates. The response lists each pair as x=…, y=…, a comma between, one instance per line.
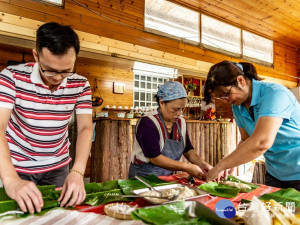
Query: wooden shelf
x=195, y=96
x=116, y=109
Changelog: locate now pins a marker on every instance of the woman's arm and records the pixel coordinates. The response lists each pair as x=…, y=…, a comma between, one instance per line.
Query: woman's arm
x=257, y=144
x=170, y=164
x=193, y=157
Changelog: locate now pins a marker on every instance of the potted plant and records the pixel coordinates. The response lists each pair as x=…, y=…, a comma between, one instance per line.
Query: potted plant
x=191, y=85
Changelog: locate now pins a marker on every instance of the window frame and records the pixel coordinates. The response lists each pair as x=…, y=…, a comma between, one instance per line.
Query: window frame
x=221, y=50
x=256, y=60
x=62, y=4
x=145, y=90
x=164, y=34
x=209, y=47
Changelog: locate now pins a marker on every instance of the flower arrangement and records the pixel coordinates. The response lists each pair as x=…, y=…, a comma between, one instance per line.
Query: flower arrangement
x=191, y=84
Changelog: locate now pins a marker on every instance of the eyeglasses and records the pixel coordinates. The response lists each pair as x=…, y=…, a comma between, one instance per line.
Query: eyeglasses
x=178, y=111
x=225, y=97
x=52, y=73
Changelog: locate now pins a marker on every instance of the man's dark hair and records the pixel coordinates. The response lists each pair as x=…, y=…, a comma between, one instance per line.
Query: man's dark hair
x=57, y=38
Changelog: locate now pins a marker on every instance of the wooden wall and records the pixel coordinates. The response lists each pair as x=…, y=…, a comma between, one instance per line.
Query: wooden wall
x=105, y=74
x=298, y=60
x=14, y=54
x=131, y=13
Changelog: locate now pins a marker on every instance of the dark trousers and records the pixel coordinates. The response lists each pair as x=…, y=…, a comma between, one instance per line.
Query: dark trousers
x=274, y=182
x=56, y=177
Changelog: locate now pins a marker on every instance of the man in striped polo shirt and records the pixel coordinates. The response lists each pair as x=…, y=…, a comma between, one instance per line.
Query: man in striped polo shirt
x=36, y=103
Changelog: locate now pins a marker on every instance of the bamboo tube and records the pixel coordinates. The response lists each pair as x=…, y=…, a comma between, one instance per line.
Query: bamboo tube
x=113, y=151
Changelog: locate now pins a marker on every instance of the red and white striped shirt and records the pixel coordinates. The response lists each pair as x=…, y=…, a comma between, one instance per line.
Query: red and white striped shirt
x=37, y=132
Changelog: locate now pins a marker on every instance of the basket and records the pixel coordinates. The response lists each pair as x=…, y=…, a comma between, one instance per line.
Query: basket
x=114, y=214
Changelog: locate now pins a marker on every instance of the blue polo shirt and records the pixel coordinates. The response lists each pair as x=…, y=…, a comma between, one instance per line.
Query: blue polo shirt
x=275, y=100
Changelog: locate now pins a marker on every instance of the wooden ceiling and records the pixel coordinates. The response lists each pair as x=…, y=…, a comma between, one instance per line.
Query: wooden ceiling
x=278, y=20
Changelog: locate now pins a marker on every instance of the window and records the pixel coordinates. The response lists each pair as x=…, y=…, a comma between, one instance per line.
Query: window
x=220, y=35
x=56, y=2
x=257, y=47
x=169, y=19
x=147, y=79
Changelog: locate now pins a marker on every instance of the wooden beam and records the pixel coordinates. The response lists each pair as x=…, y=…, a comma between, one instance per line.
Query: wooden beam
x=19, y=28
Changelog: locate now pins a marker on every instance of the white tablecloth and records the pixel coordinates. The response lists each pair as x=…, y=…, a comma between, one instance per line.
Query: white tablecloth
x=67, y=217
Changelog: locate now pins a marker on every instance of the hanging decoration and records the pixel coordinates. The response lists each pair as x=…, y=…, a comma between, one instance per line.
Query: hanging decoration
x=97, y=100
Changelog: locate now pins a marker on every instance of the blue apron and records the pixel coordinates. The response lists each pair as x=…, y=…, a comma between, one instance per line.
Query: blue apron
x=172, y=149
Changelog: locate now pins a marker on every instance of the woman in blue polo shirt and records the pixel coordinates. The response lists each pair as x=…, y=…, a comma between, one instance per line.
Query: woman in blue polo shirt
x=268, y=117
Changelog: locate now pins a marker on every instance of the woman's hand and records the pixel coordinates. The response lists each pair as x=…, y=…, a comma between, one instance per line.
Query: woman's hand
x=217, y=174
x=195, y=171
x=205, y=167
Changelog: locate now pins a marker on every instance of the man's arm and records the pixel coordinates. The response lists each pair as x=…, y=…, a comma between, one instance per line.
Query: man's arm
x=74, y=184
x=26, y=193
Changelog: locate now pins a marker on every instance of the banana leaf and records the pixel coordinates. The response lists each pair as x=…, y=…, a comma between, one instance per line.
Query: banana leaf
x=283, y=196
x=104, y=197
x=3, y=195
x=45, y=191
x=8, y=205
x=219, y=189
x=99, y=187
x=234, y=179
x=173, y=213
x=132, y=184
x=13, y=205
x=48, y=192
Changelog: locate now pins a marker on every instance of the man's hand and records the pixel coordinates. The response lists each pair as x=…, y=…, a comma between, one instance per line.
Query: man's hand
x=73, y=192
x=25, y=193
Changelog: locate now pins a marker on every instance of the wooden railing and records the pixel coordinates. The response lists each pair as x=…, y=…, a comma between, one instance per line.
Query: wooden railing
x=112, y=148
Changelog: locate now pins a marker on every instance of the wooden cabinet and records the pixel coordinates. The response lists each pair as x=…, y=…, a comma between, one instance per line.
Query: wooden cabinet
x=200, y=83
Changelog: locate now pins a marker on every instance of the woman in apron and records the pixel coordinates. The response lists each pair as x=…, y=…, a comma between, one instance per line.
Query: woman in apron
x=162, y=138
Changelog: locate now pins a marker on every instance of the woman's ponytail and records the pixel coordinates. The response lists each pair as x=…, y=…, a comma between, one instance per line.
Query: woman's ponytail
x=249, y=71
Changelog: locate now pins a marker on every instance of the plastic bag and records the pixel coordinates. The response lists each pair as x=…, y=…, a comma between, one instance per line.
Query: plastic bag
x=257, y=214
